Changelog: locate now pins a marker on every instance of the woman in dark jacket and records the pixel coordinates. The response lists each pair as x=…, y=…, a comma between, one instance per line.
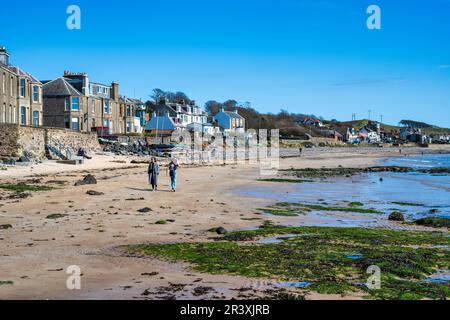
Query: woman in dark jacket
x=153, y=172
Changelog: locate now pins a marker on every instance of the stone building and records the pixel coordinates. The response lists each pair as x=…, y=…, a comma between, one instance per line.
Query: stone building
x=74, y=102
x=133, y=112
x=20, y=94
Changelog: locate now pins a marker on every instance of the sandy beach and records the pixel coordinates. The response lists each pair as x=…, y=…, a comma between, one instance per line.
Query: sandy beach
x=36, y=251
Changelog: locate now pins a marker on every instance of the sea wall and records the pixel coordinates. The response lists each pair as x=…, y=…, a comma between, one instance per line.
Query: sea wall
x=54, y=143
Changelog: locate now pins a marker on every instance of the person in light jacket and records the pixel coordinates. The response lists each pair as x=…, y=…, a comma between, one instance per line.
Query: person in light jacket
x=153, y=173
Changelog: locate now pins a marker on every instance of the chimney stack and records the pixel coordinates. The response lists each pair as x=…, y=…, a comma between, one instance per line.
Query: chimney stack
x=115, y=91
x=4, y=55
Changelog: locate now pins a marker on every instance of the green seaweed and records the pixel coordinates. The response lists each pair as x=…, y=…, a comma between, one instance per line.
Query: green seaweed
x=319, y=256
x=284, y=180
x=356, y=204
x=22, y=187
x=340, y=209
x=435, y=222
x=408, y=204
x=56, y=216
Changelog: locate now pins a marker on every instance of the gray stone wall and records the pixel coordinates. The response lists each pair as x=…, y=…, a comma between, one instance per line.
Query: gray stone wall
x=54, y=143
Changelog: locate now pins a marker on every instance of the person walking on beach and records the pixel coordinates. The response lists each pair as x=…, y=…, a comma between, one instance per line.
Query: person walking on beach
x=173, y=168
x=153, y=172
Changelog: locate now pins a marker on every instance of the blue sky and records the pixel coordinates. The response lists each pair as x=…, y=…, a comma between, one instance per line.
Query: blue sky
x=307, y=56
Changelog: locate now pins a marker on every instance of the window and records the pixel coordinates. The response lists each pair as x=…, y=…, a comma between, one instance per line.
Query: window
x=12, y=86
x=106, y=107
x=75, y=103
x=35, y=118
x=35, y=94
x=93, y=106
x=128, y=127
x=23, y=116
x=3, y=82
x=66, y=104
x=3, y=113
x=22, y=87
x=75, y=125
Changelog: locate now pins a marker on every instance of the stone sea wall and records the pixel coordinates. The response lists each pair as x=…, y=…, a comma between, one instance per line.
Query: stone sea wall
x=54, y=143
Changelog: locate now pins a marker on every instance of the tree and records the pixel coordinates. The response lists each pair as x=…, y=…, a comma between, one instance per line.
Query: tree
x=230, y=105
x=213, y=107
x=157, y=94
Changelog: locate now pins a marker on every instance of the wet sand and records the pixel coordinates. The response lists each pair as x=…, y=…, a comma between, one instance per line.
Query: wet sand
x=36, y=251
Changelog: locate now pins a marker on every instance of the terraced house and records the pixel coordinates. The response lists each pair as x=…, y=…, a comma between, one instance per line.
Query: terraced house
x=20, y=94
x=74, y=102
x=133, y=112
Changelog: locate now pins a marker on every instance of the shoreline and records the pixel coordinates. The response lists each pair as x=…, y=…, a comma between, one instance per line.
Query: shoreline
x=37, y=250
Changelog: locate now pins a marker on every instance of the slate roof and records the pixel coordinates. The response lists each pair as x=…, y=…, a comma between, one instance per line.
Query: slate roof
x=234, y=115
x=20, y=72
x=59, y=88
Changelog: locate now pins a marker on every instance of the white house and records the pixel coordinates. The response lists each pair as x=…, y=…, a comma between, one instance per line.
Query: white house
x=230, y=121
x=310, y=121
x=369, y=135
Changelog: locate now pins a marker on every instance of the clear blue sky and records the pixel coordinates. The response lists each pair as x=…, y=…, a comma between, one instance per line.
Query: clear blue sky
x=308, y=56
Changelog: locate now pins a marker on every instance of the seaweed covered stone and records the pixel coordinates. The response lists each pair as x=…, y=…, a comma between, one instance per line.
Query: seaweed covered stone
x=396, y=216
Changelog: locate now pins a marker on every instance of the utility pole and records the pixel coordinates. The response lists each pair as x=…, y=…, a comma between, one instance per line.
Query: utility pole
x=370, y=111
x=353, y=116
x=381, y=119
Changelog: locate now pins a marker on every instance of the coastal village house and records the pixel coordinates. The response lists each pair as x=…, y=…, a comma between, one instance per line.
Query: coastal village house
x=133, y=112
x=76, y=103
x=20, y=94
x=169, y=117
x=311, y=121
x=230, y=121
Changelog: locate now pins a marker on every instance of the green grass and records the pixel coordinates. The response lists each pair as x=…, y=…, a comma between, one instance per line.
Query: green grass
x=2, y=283
x=319, y=256
x=161, y=222
x=22, y=187
x=5, y=226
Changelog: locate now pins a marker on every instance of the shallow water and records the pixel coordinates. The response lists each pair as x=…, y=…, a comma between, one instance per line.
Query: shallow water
x=296, y=284
x=439, y=277
x=430, y=191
